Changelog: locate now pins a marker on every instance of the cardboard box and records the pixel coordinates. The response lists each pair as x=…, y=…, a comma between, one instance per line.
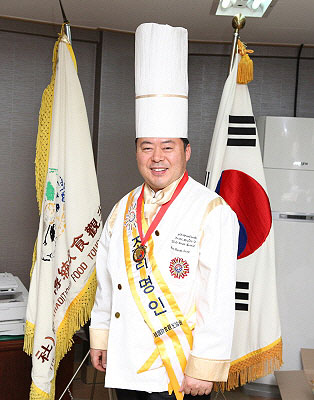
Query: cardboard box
x=298, y=385
x=307, y=356
x=293, y=385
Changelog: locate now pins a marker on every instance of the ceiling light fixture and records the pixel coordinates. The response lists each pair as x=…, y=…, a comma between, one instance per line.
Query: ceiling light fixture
x=226, y=4
x=249, y=8
x=256, y=4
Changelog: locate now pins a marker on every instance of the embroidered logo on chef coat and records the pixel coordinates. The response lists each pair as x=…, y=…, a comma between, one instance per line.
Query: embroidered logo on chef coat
x=130, y=218
x=179, y=268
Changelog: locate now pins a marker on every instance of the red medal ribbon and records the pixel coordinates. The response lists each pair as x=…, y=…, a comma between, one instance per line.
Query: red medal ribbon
x=160, y=213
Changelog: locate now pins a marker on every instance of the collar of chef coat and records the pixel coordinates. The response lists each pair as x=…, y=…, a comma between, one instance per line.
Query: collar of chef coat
x=153, y=200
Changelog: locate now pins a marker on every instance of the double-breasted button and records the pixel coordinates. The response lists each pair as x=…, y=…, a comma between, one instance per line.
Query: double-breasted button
x=119, y=286
x=117, y=315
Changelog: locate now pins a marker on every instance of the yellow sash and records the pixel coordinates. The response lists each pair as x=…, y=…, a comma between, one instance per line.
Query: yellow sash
x=172, y=335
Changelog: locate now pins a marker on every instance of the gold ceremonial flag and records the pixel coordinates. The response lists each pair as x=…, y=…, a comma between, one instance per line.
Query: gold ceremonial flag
x=63, y=278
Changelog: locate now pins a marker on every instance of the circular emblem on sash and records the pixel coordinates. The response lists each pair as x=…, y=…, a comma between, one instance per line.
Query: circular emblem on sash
x=130, y=218
x=179, y=268
x=139, y=253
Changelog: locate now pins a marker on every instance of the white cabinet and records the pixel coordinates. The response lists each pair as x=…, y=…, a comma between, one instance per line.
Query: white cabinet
x=288, y=158
x=287, y=142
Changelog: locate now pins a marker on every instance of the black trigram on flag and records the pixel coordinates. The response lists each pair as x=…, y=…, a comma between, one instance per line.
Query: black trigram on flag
x=242, y=296
x=241, y=131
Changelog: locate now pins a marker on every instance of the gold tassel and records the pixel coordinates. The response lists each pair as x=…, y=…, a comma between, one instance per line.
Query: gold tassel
x=245, y=67
x=28, y=337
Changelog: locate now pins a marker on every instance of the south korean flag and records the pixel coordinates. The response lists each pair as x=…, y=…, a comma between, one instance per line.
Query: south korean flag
x=235, y=172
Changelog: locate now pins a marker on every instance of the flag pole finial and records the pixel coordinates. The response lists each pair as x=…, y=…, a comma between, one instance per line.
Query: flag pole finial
x=66, y=23
x=238, y=22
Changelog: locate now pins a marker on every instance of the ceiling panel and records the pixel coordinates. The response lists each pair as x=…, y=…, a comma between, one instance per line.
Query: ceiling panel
x=289, y=21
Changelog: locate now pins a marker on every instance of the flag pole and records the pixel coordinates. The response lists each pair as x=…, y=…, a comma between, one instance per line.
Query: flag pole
x=66, y=23
x=238, y=22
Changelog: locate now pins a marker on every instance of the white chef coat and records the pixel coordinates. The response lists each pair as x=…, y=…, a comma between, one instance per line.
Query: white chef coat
x=201, y=229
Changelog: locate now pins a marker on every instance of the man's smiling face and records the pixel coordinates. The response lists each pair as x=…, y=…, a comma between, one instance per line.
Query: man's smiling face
x=161, y=161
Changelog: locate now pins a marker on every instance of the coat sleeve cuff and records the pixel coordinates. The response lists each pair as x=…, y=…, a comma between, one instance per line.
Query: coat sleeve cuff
x=207, y=370
x=98, y=338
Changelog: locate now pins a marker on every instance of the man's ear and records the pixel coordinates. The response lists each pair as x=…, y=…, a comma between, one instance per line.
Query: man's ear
x=188, y=152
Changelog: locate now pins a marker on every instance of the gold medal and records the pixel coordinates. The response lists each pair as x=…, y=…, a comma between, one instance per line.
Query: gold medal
x=139, y=253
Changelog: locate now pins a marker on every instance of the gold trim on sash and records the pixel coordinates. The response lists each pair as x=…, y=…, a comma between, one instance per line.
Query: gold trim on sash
x=149, y=362
x=173, y=340
x=173, y=304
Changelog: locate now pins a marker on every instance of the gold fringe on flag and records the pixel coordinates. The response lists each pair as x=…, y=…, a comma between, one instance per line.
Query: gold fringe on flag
x=44, y=127
x=43, y=138
x=253, y=366
x=37, y=394
x=41, y=167
x=245, y=67
x=76, y=316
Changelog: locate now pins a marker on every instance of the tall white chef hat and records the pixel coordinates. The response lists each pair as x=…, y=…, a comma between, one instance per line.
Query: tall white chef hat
x=161, y=81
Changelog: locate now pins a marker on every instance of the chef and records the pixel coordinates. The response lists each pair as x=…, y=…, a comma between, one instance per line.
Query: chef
x=162, y=321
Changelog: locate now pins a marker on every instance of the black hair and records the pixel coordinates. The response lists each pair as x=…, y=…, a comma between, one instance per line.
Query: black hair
x=184, y=140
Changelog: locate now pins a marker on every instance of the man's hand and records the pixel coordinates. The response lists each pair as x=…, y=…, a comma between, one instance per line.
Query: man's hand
x=195, y=387
x=99, y=359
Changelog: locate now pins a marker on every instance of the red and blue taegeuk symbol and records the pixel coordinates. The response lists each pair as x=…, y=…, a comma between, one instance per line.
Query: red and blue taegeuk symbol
x=250, y=202
x=179, y=268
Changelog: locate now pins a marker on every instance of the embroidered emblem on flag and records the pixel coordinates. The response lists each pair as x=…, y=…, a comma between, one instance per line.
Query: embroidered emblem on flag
x=179, y=268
